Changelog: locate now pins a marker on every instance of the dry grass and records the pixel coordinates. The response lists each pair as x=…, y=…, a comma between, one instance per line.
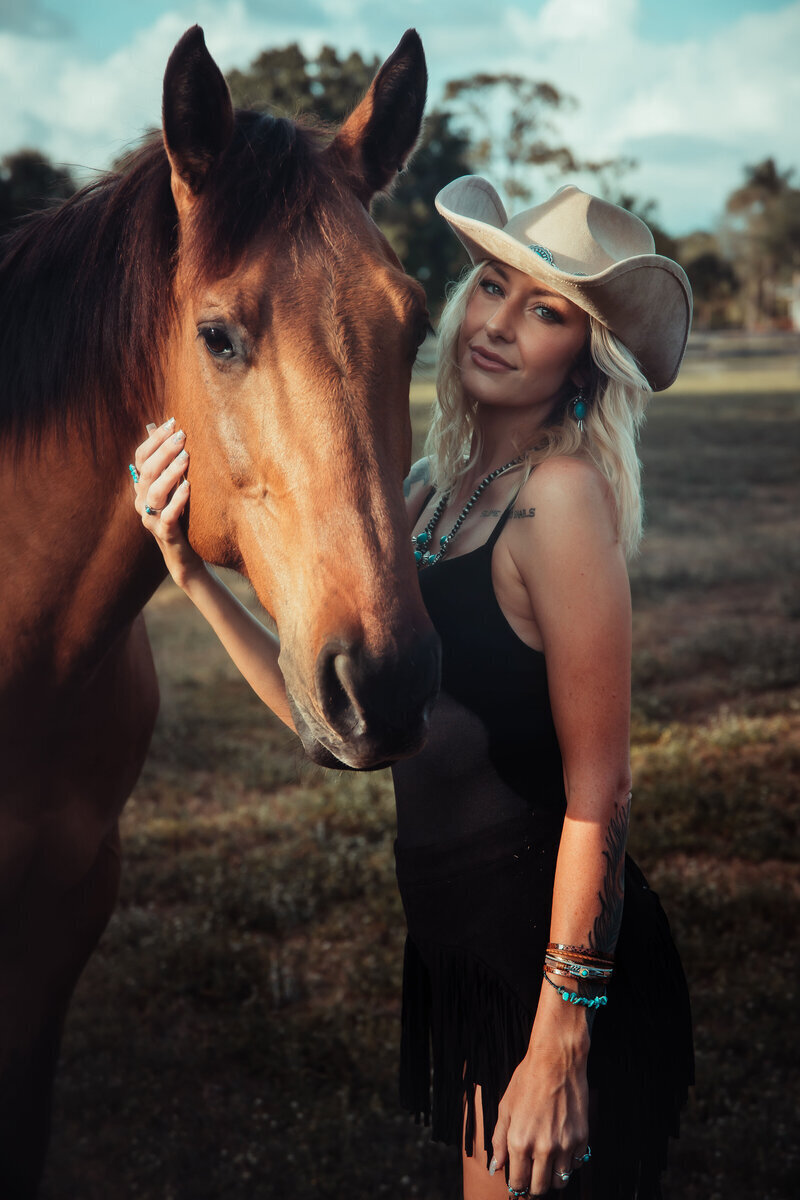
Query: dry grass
x=235, y=1035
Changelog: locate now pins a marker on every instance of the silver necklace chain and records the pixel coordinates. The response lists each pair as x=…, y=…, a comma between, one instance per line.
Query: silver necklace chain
x=422, y=540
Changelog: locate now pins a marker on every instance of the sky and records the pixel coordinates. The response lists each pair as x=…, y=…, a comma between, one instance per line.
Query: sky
x=693, y=90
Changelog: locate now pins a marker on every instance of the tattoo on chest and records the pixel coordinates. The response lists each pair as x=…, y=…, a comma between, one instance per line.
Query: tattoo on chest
x=516, y=513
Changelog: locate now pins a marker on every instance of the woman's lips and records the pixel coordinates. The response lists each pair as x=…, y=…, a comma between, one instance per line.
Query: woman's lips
x=488, y=360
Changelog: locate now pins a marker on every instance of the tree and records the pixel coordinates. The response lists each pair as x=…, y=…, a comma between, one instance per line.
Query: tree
x=761, y=234
x=408, y=216
x=715, y=285
x=510, y=122
x=28, y=181
x=286, y=82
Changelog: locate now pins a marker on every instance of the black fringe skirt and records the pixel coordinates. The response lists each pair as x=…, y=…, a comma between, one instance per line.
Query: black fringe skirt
x=478, y=912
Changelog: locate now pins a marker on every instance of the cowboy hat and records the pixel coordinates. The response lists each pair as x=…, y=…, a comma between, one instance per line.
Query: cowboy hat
x=597, y=255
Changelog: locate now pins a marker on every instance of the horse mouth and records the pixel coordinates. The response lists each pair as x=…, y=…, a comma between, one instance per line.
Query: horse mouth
x=364, y=710
x=360, y=751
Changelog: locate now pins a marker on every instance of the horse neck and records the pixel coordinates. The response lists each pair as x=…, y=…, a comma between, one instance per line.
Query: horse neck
x=79, y=564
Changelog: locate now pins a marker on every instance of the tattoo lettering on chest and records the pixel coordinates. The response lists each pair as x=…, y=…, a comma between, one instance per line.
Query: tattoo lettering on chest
x=516, y=513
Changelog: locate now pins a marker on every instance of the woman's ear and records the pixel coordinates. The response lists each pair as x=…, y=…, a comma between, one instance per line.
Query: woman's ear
x=581, y=374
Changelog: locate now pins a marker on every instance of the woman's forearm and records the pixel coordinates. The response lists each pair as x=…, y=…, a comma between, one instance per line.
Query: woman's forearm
x=252, y=647
x=589, y=882
x=586, y=911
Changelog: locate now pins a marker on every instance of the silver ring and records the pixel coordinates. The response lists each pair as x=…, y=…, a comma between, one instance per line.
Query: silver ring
x=583, y=1158
x=565, y=1175
x=518, y=1192
x=151, y=512
x=134, y=472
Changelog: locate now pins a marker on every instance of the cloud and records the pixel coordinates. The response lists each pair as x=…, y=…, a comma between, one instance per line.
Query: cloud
x=33, y=19
x=734, y=89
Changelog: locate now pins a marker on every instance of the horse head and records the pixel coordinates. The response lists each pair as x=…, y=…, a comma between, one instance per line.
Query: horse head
x=295, y=331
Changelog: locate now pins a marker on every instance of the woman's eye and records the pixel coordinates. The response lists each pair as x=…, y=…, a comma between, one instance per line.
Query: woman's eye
x=217, y=342
x=491, y=287
x=547, y=313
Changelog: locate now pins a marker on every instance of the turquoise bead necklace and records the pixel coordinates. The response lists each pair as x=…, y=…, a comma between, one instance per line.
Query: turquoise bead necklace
x=422, y=540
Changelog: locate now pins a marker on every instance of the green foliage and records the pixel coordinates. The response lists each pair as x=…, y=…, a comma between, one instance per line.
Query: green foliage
x=286, y=82
x=761, y=231
x=420, y=238
x=28, y=181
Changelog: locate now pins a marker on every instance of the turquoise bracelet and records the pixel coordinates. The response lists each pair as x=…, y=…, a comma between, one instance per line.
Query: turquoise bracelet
x=574, y=998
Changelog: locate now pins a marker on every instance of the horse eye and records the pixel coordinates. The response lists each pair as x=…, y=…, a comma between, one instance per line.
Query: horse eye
x=217, y=342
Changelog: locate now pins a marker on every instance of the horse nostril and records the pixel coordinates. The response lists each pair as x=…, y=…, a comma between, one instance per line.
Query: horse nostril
x=334, y=689
x=379, y=699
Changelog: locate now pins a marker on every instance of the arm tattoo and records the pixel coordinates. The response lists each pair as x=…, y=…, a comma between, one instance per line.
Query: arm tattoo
x=419, y=473
x=603, y=936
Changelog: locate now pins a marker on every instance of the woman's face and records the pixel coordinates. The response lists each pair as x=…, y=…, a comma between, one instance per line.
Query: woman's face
x=519, y=342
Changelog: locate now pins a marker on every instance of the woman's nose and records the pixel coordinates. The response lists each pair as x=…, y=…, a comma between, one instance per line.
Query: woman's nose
x=500, y=325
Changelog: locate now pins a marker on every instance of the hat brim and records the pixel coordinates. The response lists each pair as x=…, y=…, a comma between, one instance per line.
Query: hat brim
x=646, y=300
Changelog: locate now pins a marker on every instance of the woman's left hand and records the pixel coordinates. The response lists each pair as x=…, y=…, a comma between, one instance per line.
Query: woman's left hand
x=543, y=1119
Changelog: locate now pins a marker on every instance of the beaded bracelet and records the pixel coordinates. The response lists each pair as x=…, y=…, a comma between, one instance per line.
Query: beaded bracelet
x=574, y=998
x=551, y=970
x=579, y=970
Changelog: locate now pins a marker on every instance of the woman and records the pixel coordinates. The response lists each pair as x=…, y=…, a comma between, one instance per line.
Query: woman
x=539, y=966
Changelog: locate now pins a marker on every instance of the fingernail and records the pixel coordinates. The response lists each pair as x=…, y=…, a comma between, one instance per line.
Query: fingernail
x=493, y=1166
x=150, y=427
x=184, y=483
x=182, y=454
x=168, y=424
x=178, y=437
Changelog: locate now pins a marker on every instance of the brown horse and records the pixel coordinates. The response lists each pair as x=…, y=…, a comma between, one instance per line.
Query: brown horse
x=229, y=276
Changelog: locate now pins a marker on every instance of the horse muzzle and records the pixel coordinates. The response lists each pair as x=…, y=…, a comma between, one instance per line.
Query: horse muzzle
x=367, y=711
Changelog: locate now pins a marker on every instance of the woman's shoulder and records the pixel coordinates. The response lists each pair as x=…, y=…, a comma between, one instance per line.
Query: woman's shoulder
x=416, y=488
x=566, y=480
x=564, y=490
x=418, y=477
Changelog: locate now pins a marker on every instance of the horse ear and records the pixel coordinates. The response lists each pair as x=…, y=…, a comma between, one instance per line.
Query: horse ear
x=197, y=116
x=379, y=135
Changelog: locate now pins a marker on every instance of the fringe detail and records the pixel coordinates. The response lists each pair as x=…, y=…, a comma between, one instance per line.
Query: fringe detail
x=478, y=1031
x=642, y=1057
x=641, y=1062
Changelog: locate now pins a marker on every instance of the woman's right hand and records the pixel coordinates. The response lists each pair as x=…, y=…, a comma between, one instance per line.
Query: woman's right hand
x=161, y=496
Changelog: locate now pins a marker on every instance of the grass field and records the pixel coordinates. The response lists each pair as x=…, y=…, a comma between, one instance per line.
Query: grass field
x=236, y=1033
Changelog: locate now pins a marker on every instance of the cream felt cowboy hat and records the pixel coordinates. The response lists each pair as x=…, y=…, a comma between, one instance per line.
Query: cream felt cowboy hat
x=594, y=253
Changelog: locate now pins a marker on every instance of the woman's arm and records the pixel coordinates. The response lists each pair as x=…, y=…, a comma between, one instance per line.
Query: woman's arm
x=573, y=570
x=161, y=462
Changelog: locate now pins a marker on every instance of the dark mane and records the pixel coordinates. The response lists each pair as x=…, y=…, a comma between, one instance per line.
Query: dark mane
x=86, y=289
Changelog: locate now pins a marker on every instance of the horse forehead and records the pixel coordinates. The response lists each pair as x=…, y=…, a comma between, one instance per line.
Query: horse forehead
x=354, y=275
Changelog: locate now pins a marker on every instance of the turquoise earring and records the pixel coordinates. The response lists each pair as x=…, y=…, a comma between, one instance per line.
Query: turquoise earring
x=579, y=409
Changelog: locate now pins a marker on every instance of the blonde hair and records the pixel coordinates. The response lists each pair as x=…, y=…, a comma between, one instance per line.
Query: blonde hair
x=616, y=396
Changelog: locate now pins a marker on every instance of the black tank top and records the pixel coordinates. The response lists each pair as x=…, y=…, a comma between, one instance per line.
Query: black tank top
x=492, y=753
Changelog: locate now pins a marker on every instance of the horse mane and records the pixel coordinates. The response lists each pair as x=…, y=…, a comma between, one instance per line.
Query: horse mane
x=86, y=288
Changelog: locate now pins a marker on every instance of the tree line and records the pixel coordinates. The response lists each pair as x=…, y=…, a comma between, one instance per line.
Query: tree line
x=506, y=126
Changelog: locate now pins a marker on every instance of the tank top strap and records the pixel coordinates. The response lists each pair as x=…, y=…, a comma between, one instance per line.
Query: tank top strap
x=498, y=529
